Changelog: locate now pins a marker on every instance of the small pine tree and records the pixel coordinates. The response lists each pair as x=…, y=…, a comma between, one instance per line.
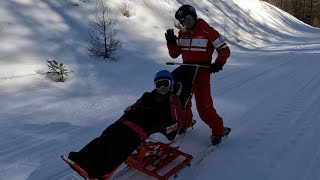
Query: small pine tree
x=103, y=41
x=57, y=70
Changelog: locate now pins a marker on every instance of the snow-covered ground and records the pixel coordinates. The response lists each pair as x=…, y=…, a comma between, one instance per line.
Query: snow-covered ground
x=268, y=92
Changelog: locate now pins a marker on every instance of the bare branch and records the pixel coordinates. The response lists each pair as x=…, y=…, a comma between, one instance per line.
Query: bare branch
x=102, y=40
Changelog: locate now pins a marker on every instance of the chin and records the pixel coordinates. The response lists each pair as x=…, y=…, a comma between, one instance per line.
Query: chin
x=189, y=27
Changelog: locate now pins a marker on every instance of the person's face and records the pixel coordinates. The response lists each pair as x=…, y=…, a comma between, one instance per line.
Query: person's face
x=187, y=21
x=163, y=86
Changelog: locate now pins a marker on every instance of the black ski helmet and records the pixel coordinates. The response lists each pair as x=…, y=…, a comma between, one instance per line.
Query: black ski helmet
x=185, y=10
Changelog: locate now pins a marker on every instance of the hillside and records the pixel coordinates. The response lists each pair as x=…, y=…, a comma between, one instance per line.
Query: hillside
x=268, y=92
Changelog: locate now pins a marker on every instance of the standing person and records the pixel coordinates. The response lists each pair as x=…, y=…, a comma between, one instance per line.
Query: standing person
x=196, y=43
x=156, y=111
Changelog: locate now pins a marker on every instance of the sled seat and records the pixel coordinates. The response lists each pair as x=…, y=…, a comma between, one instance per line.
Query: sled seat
x=153, y=157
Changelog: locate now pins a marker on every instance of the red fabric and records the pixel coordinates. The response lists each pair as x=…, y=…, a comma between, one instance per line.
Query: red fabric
x=135, y=105
x=136, y=128
x=177, y=110
x=176, y=114
x=176, y=107
x=201, y=31
x=202, y=94
x=196, y=47
x=187, y=115
x=223, y=55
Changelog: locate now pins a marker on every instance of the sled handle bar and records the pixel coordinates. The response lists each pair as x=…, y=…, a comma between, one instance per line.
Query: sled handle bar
x=184, y=64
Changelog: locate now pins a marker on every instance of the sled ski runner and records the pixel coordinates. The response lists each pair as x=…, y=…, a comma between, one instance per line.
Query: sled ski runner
x=202, y=155
x=227, y=131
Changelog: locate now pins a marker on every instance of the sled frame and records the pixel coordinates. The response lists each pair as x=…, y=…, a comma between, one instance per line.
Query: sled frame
x=153, y=156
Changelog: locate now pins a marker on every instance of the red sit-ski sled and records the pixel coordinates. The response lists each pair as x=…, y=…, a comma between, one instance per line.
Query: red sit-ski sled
x=151, y=158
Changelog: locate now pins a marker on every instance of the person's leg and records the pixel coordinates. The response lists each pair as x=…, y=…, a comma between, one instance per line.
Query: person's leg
x=105, y=153
x=187, y=113
x=207, y=112
x=184, y=74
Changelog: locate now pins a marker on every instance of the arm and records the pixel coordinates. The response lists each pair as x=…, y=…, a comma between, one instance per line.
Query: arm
x=174, y=49
x=219, y=43
x=170, y=128
x=222, y=49
x=140, y=103
x=176, y=108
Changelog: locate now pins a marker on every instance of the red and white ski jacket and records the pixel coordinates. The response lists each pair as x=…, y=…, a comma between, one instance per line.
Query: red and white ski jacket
x=197, y=45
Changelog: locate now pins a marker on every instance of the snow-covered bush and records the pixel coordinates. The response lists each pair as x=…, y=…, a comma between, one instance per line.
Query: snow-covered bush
x=127, y=9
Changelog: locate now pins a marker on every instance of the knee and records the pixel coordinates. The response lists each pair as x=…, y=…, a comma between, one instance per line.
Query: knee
x=205, y=108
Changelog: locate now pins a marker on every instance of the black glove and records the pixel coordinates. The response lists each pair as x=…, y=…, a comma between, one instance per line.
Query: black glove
x=215, y=67
x=170, y=37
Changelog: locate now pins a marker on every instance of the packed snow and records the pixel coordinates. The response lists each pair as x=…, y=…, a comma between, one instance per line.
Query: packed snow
x=268, y=92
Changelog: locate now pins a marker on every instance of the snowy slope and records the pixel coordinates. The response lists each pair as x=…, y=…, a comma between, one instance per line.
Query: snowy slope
x=268, y=92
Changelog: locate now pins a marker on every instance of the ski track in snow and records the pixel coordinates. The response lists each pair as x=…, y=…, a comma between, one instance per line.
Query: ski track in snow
x=283, y=139
x=284, y=126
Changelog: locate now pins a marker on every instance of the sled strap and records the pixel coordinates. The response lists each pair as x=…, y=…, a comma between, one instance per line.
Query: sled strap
x=136, y=128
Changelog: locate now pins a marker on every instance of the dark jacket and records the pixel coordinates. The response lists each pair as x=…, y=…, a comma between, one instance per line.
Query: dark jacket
x=152, y=112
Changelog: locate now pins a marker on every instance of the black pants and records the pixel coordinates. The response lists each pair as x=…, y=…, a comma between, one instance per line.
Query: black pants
x=103, y=154
x=185, y=75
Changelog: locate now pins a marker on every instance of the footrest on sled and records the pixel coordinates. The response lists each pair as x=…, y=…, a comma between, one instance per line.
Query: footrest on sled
x=82, y=172
x=76, y=168
x=155, y=156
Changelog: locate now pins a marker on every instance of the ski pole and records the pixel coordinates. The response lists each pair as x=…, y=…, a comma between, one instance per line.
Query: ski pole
x=194, y=76
x=191, y=93
x=184, y=64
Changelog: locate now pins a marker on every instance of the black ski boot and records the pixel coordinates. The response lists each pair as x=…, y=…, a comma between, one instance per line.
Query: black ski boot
x=215, y=140
x=184, y=130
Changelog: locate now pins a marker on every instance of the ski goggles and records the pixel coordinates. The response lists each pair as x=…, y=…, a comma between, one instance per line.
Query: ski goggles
x=162, y=83
x=183, y=19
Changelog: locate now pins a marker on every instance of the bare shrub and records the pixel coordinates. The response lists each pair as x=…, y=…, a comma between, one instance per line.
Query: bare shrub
x=57, y=71
x=126, y=8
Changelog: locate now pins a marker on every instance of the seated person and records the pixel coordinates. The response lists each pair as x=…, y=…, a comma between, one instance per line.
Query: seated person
x=156, y=111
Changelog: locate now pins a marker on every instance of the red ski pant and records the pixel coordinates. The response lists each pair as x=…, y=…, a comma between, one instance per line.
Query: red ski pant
x=204, y=103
